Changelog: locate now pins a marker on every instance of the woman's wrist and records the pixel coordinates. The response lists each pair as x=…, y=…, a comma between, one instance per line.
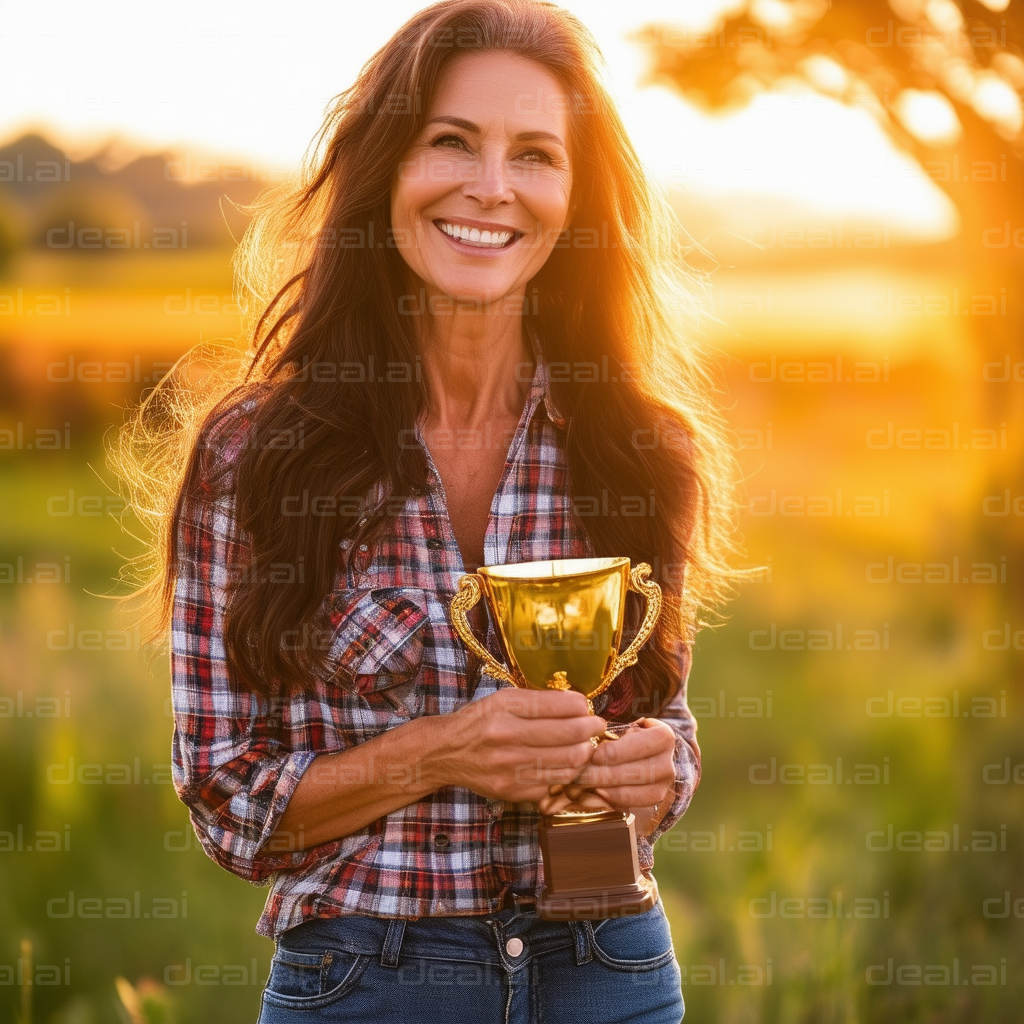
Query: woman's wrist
x=433, y=740
x=649, y=818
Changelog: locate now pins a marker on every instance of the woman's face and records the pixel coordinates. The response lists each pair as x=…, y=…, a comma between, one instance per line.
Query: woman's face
x=479, y=199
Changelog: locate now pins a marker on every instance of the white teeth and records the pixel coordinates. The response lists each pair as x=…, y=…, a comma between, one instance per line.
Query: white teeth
x=474, y=236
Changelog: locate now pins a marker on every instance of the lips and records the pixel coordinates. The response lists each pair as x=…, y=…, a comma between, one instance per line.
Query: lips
x=478, y=238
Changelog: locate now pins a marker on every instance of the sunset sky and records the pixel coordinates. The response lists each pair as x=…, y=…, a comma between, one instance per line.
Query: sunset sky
x=244, y=81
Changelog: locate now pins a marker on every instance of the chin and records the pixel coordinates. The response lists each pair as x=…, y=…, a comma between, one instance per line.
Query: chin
x=474, y=293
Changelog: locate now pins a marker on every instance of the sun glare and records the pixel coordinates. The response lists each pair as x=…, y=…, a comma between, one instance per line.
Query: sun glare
x=803, y=148
x=995, y=100
x=928, y=116
x=792, y=143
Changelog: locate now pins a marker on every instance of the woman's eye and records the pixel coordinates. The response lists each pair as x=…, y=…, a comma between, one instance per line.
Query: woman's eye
x=450, y=141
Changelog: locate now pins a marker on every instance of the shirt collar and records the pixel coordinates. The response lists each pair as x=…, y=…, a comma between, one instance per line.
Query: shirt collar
x=540, y=387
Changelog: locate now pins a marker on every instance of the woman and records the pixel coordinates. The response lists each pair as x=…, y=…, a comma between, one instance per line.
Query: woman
x=466, y=353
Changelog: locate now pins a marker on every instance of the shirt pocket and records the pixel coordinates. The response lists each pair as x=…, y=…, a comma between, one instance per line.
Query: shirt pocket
x=377, y=647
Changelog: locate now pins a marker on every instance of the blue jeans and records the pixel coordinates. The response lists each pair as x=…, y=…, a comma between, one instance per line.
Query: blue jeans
x=509, y=967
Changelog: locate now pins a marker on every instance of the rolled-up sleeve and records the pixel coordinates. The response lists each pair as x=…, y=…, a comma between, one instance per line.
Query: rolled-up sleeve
x=231, y=765
x=686, y=757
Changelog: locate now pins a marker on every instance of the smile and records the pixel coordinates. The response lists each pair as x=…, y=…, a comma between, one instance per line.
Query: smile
x=477, y=238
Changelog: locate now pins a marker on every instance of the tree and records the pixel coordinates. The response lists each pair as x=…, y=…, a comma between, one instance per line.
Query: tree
x=945, y=79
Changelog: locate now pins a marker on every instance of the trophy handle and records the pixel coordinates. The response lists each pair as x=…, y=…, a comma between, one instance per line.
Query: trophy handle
x=638, y=582
x=467, y=596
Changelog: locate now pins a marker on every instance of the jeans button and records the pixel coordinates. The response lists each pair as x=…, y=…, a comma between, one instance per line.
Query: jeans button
x=514, y=947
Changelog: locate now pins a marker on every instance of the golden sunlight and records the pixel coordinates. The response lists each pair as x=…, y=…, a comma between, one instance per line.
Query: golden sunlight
x=928, y=116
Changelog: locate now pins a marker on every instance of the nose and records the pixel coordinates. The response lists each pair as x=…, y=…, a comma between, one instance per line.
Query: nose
x=490, y=186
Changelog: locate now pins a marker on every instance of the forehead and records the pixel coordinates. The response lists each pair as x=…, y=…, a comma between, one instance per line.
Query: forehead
x=498, y=86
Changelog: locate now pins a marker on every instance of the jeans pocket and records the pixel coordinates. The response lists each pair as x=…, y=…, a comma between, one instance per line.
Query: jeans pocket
x=635, y=942
x=309, y=981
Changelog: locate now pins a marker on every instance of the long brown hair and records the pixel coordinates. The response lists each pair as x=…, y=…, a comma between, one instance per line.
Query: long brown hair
x=317, y=288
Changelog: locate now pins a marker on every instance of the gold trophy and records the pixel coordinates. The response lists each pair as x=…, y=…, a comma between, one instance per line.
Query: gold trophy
x=560, y=626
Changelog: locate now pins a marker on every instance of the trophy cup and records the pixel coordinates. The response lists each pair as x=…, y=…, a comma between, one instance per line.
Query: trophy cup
x=559, y=625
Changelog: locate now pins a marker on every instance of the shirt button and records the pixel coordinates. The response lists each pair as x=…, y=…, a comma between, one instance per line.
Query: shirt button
x=434, y=543
x=514, y=947
x=441, y=840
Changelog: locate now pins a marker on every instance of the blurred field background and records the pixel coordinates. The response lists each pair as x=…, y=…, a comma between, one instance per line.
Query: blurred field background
x=848, y=857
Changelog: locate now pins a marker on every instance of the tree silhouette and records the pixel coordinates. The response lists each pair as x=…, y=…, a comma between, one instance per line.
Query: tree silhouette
x=945, y=79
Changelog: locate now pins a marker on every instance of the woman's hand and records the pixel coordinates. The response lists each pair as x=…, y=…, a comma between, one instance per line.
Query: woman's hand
x=515, y=743
x=636, y=770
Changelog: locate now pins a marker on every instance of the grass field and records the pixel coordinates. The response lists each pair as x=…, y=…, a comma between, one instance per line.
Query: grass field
x=836, y=860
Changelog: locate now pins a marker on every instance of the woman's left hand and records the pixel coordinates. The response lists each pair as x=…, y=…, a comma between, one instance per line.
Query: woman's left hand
x=636, y=770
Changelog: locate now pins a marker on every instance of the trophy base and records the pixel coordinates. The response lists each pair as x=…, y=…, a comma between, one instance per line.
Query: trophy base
x=591, y=870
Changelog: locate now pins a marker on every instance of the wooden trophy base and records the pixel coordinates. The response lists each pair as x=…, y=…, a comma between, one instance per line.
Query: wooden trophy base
x=591, y=870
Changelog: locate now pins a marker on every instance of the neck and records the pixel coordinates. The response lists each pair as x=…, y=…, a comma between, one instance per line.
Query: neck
x=477, y=366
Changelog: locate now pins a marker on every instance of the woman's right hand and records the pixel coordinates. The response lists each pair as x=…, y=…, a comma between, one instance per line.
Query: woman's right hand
x=514, y=743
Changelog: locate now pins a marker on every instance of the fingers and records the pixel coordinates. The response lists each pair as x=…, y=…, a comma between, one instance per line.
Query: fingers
x=536, y=718
x=587, y=800
x=643, y=772
x=636, y=743
x=571, y=790
x=548, y=765
x=570, y=772
x=553, y=804
x=525, y=741
x=554, y=732
x=546, y=732
x=545, y=703
x=634, y=796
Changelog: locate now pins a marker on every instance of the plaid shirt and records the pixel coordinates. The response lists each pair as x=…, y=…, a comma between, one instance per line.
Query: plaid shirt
x=237, y=759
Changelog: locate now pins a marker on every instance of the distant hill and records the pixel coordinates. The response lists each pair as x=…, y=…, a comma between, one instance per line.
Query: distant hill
x=50, y=201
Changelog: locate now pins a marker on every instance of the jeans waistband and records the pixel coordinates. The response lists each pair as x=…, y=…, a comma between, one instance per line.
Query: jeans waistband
x=473, y=938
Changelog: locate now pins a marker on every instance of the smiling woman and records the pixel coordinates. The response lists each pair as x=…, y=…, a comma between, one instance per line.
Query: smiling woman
x=499, y=154
x=475, y=234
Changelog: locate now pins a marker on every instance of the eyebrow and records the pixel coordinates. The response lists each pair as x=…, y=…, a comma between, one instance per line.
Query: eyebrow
x=459, y=122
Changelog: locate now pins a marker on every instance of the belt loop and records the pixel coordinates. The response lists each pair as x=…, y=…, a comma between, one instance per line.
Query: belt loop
x=582, y=935
x=393, y=942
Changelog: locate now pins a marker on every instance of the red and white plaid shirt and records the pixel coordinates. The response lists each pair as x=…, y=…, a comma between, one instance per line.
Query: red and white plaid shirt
x=237, y=759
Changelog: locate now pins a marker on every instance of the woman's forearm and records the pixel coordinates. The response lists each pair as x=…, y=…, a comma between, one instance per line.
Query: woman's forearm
x=344, y=792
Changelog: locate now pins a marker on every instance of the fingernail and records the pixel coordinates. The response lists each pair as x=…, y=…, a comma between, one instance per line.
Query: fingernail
x=555, y=788
x=573, y=791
